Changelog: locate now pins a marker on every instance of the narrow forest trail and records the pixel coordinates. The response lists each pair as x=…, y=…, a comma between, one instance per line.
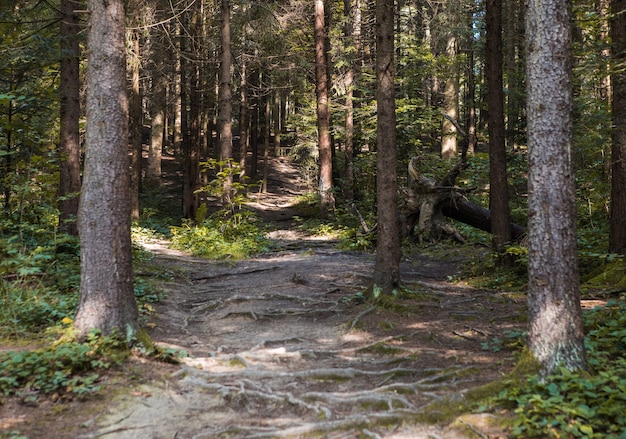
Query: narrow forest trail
x=282, y=345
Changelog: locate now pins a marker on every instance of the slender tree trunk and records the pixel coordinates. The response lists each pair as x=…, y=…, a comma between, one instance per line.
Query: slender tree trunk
x=158, y=105
x=244, y=121
x=386, y=278
x=351, y=32
x=225, y=98
x=617, y=234
x=327, y=201
x=69, y=171
x=107, y=301
x=136, y=125
x=450, y=101
x=278, y=106
x=555, y=334
x=470, y=118
x=190, y=114
x=254, y=123
x=498, y=192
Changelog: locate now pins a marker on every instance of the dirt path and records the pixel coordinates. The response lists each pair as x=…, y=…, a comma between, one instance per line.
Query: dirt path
x=283, y=346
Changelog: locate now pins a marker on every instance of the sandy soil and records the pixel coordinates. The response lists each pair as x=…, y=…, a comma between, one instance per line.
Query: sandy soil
x=282, y=345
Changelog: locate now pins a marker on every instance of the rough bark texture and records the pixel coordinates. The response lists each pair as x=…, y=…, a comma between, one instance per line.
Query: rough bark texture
x=498, y=187
x=617, y=234
x=158, y=102
x=107, y=301
x=136, y=124
x=323, y=113
x=69, y=171
x=555, y=333
x=225, y=111
x=190, y=113
x=386, y=271
x=244, y=122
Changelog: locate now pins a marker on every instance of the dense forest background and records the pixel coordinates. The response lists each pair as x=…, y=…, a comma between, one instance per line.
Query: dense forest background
x=217, y=88
x=174, y=63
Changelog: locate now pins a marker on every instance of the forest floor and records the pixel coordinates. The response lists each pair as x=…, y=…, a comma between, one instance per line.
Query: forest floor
x=282, y=345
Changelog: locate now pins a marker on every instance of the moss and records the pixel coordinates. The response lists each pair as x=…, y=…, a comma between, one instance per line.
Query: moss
x=609, y=275
x=143, y=341
x=446, y=410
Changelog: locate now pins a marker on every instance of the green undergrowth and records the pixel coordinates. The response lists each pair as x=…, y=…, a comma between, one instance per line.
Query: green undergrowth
x=69, y=368
x=222, y=236
x=66, y=368
x=577, y=404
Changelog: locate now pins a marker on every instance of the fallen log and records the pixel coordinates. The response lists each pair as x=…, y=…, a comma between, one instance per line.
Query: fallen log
x=426, y=203
x=476, y=216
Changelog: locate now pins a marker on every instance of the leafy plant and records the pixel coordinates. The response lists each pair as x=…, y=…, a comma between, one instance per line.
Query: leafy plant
x=578, y=404
x=66, y=367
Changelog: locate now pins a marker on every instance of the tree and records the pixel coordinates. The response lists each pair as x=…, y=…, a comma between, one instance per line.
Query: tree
x=555, y=334
x=386, y=277
x=107, y=300
x=69, y=172
x=498, y=187
x=617, y=233
x=327, y=201
x=225, y=97
x=158, y=101
x=135, y=118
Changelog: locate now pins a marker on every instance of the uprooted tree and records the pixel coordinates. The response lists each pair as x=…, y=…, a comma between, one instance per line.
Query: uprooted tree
x=426, y=204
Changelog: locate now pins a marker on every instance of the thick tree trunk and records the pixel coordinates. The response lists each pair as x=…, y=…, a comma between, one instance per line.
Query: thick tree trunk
x=617, y=234
x=386, y=279
x=69, y=171
x=107, y=301
x=327, y=201
x=225, y=110
x=555, y=334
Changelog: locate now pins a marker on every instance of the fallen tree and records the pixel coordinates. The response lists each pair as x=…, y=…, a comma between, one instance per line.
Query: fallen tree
x=426, y=204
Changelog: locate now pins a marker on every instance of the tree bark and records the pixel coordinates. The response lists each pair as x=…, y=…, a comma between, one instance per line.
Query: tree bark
x=158, y=102
x=107, y=301
x=136, y=124
x=225, y=98
x=69, y=171
x=498, y=186
x=327, y=200
x=555, y=334
x=617, y=233
x=244, y=122
x=386, y=279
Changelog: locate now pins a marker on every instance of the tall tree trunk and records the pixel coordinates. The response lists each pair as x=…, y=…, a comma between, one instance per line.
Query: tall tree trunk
x=136, y=124
x=470, y=116
x=158, y=104
x=158, y=99
x=69, y=171
x=225, y=98
x=107, y=301
x=617, y=234
x=255, y=81
x=386, y=279
x=352, y=29
x=190, y=113
x=327, y=201
x=450, y=101
x=498, y=187
x=555, y=334
x=244, y=120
